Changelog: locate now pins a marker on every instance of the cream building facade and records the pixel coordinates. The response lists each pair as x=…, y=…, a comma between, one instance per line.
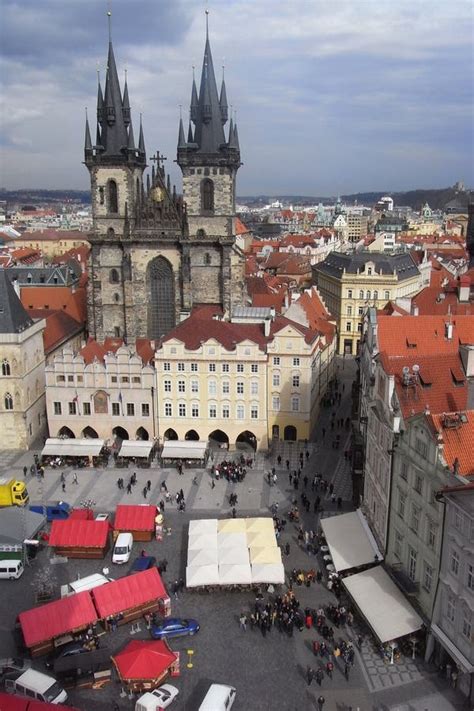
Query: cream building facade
x=22, y=360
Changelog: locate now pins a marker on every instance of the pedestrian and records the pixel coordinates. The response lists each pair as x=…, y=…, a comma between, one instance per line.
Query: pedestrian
x=339, y=502
x=287, y=464
x=234, y=512
x=309, y=675
x=64, y=486
x=145, y=492
x=319, y=676
x=275, y=479
x=25, y=471
x=321, y=702
x=134, y=478
x=305, y=481
x=63, y=478
x=116, y=707
x=213, y=484
x=74, y=478
x=148, y=485
x=175, y=589
x=129, y=488
x=347, y=669
x=279, y=459
x=243, y=622
x=329, y=669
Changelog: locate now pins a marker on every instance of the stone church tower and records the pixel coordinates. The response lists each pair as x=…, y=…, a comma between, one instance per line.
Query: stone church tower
x=153, y=256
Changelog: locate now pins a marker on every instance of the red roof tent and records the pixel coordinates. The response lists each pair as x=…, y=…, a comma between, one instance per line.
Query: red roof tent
x=9, y=702
x=83, y=534
x=56, y=618
x=142, y=659
x=81, y=515
x=128, y=592
x=134, y=518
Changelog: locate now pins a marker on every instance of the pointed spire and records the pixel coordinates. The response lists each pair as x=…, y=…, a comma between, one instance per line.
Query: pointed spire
x=131, y=138
x=181, y=138
x=231, y=130
x=194, y=101
x=126, y=102
x=209, y=133
x=100, y=100
x=236, y=137
x=114, y=131
x=223, y=101
x=141, y=138
x=190, y=133
x=87, y=138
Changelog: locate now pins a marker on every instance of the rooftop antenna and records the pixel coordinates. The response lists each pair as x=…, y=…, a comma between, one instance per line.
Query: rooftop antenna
x=109, y=20
x=207, y=21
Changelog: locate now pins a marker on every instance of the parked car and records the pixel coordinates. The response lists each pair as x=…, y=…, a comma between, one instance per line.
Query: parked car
x=174, y=627
x=159, y=698
x=66, y=650
x=143, y=563
x=13, y=665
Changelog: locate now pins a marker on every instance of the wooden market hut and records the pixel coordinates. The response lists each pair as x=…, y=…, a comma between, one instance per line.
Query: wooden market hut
x=137, y=520
x=75, y=538
x=145, y=664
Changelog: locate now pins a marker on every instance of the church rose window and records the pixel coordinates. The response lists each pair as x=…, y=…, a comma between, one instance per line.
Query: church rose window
x=161, y=297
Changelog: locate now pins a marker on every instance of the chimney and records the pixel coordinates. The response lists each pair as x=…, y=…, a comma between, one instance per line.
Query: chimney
x=464, y=289
x=266, y=327
x=448, y=331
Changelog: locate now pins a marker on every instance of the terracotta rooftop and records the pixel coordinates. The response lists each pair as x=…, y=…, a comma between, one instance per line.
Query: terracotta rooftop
x=435, y=300
x=422, y=335
x=240, y=228
x=456, y=431
x=56, y=298
x=52, y=235
x=26, y=255
x=60, y=327
x=94, y=349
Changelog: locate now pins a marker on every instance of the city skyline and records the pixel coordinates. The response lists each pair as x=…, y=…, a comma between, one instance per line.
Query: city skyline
x=335, y=100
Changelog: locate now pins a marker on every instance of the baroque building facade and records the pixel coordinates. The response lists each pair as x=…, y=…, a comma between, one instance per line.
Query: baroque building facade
x=155, y=254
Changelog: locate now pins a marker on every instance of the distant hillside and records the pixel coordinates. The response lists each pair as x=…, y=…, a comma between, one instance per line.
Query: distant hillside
x=41, y=197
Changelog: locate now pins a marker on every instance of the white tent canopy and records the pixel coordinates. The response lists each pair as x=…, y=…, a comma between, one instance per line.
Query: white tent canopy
x=383, y=605
x=232, y=540
x=227, y=556
x=204, y=525
x=266, y=556
x=59, y=447
x=202, y=540
x=235, y=574
x=202, y=556
x=184, y=449
x=202, y=575
x=136, y=448
x=274, y=574
x=350, y=540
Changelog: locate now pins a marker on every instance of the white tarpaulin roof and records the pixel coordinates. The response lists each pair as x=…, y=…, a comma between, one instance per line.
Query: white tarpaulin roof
x=183, y=449
x=267, y=556
x=232, y=555
x=202, y=575
x=260, y=525
x=202, y=540
x=204, y=525
x=59, y=447
x=261, y=540
x=232, y=540
x=350, y=540
x=383, y=605
x=235, y=574
x=231, y=525
x=202, y=556
x=136, y=448
x=268, y=574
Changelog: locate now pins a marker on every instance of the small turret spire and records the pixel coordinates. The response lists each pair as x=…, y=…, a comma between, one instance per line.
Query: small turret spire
x=223, y=100
x=141, y=138
x=87, y=138
x=126, y=102
x=131, y=139
x=190, y=133
x=181, y=138
x=194, y=100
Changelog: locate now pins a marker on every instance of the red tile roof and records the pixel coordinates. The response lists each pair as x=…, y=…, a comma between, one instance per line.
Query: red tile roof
x=57, y=298
x=26, y=255
x=240, y=228
x=458, y=439
x=422, y=335
x=435, y=300
x=53, y=235
x=94, y=349
x=60, y=327
x=74, y=533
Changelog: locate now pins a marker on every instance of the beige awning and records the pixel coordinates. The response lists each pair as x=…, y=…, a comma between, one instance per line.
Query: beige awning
x=202, y=575
x=184, y=449
x=58, y=447
x=350, y=540
x=274, y=574
x=260, y=525
x=136, y=448
x=202, y=556
x=231, y=525
x=265, y=556
x=262, y=540
x=383, y=605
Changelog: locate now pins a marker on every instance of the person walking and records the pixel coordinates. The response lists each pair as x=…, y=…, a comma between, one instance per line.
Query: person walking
x=321, y=702
x=64, y=486
x=145, y=492
x=319, y=676
x=243, y=622
x=25, y=471
x=74, y=478
x=309, y=675
x=63, y=478
x=347, y=669
x=148, y=485
x=129, y=488
x=213, y=484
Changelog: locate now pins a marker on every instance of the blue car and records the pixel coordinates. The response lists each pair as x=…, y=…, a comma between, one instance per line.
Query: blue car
x=143, y=563
x=174, y=627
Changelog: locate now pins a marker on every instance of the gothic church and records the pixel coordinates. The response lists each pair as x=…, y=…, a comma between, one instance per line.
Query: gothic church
x=155, y=255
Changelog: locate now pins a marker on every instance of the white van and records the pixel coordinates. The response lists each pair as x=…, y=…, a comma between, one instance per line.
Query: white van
x=11, y=569
x=36, y=685
x=122, y=548
x=88, y=583
x=219, y=697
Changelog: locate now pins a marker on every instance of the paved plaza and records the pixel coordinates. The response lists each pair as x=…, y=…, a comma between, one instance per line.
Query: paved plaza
x=269, y=673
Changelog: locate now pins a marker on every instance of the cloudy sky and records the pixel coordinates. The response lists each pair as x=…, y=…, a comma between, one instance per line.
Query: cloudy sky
x=331, y=97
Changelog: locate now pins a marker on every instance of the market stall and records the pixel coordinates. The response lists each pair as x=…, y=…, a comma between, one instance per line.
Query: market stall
x=144, y=665
x=188, y=452
x=131, y=597
x=11, y=702
x=350, y=541
x=55, y=623
x=138, y=451
x=78, y=538
x=137, y=520
x=17, y=525
x=262, y=573
x=200, y=576
x=59, y=451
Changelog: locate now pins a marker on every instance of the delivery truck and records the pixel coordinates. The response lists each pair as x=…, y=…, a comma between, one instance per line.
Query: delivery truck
x=13, y=492
x=54, y=511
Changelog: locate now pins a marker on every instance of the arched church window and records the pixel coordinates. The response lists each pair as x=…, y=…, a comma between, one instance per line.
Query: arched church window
x=6, y=370
x=111, y=233
x=101, y=196
x=161, y=297
x=8, y=401
x=207, y=196
x=207, y=258
x=113, y=196
x=116, y=297
x=200, y=232
x=114, y=276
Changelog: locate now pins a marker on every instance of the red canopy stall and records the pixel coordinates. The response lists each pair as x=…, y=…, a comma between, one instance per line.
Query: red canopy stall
x=41, y=626
x=138, y=520
x=144, y=665
x=11, y=702
x=80, y=538
x=131, y=597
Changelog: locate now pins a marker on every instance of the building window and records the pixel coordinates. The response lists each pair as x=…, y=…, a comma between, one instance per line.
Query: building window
x=114, y=277
x=412, y=556
x=194, y=367
x=167, y=366
x=225, y=412
x=428, y=577
x=57, y=408
x=212, y=367
x=254, y=387
x=86, y=408
x=451, y=608
x=225, y=387
x=225, y=367
x=180, y=367
x=240, y=367
x=212, y=387
x=349, y=293
x=207, y=259
x=113, y=379
x=80, y=379
x=115, y=409
x=398, y=544
x=240, y=387
x=387, y=295
x=136, y=379
x=368, y=295
x=376, y=295
x=254, y=368
x=404, y=471
x=454, y=563
x=359, y=327
x=168, y=409
x=360, y=311
x=402, y=498
x=276, y=380
x=60, y=378
x=431, y=534
x=276, y=403
x=349, y=310
x=295, y=404
x=470, y=576
x=130, y=409
x=348, y=326
x=361, y=294
x=213, y=411
x=207, y=195
x=254, y=412
x=181, y=386
x=6, y=367
x=295, y=381
x=418, y=485
x=415, y=518
x=240, y=412
x=421, y=447
x=145, y=409
x=72, y=408
x=125, y=379
x=458, y=520
x=167, y=386
x=181, y=409
x=194, y=386
x=113, y=196
x=296, y=362
x=194, y=410
x=466, y=625
x=276, y=360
